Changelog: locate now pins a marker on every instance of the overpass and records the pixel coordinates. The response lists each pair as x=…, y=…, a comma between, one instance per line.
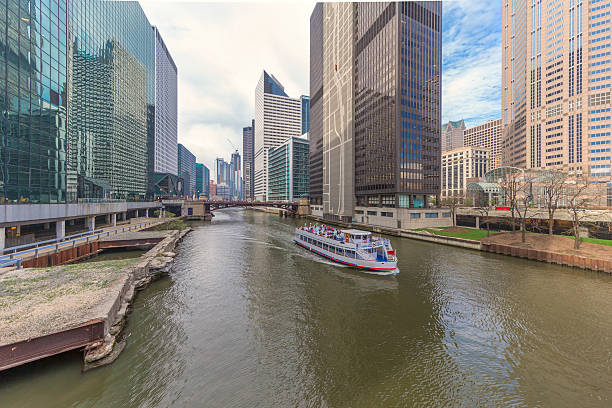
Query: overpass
x=202, y=209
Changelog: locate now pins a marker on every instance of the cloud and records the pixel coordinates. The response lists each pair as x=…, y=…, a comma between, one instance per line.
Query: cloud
x=220, y=50
x=471, y=68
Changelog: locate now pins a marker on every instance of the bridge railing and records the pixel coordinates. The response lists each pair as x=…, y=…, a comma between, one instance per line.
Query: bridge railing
x=16, y=257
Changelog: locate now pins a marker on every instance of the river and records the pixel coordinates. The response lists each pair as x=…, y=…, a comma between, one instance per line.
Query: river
x=247, y=319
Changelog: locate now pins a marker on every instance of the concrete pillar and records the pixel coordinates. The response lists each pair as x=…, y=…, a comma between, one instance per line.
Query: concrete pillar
x=161, y=210
x=60, y=229
x=2, y=238
x=113, y=220
x=477, y=222
x=147, y=213
x=91, y=223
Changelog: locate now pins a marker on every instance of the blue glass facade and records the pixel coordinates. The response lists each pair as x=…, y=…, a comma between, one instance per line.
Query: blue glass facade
x=273, y=86
x=187, y=169
x=77, y=96
x=202, y=180
x=305, y=99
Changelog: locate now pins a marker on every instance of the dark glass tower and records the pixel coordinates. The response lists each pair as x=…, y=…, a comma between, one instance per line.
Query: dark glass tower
x=397, y=105
x=248, y=155
x=393, y=129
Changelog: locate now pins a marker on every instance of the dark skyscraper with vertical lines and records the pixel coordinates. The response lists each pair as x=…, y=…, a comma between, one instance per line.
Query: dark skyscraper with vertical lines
x=375, y=71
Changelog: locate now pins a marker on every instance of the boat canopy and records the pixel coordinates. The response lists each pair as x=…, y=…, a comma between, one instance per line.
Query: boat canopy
x=356, y=233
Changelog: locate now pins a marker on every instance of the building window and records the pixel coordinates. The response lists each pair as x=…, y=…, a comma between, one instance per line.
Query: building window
x=431, y=215
x=386, y=214
x=415, y=216
x=371, y=212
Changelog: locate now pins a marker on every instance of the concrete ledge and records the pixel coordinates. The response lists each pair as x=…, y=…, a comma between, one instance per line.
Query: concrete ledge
x=38, y=213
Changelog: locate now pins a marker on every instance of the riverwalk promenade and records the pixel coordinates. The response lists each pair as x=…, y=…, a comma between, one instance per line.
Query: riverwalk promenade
x=599, y=259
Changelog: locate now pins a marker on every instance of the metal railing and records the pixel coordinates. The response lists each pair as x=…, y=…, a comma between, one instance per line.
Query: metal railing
x=12, y=259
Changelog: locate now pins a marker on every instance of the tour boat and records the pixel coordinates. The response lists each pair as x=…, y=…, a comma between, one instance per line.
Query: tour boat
x=350, y=247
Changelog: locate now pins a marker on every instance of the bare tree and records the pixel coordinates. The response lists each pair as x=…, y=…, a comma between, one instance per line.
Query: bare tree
x=511, y=185
x=452, y=203
x=553, y=185
x=577, y=200
x=524, y=201
x=484, y=217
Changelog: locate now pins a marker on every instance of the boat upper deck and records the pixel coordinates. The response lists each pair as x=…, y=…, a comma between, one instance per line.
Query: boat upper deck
x=346, y=238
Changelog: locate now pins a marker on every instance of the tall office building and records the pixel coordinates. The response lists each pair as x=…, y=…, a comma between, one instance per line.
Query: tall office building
x=452, y=135
x=236, y=176
x=487, y=135
x=187, y=169
x=316, y=108
x=77, y=92
x=278, y=117
x=223, y=171
x=248, y=156
x=164, y=152
x=288, y=170
x=556, y=86
x=202, y=180
x=305, y=99
x=375, y=69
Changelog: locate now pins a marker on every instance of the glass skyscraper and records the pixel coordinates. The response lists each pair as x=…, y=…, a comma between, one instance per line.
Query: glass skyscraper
x=288, y=170
x=187, y=169
x=202, y=180
x=248, y=156
x=375, y=88
x=77, y=95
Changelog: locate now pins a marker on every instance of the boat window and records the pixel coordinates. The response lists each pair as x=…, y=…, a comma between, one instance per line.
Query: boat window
x=350, y=253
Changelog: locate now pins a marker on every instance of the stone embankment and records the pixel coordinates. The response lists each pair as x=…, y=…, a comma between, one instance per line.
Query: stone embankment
x=602, y=264
x=46, y=311
x=155, y=263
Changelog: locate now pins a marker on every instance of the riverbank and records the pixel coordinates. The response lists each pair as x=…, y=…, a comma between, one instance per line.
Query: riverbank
x=596, y=259
x=47, y=311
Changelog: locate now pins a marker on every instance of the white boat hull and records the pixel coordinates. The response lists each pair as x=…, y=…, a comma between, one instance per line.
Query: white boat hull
x=368, y=266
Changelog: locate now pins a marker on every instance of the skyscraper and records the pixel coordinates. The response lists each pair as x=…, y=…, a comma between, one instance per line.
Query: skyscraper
x=77, y=92
x=278, y=117
x=202, y=180
x=452, y=135
x=556, y=86
x=236, y=176
x=380, y=93
x=248, y=155
x=165, y=159
x=187, y=169
x=288, y=170
x=316, y=108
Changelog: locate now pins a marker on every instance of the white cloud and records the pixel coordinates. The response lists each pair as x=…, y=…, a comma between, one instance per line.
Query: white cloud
x=220, y=51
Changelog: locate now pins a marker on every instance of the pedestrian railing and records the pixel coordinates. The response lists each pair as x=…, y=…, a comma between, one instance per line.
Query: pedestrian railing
x=17, y=252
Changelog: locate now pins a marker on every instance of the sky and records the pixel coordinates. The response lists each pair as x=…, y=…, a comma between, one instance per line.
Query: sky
x=221, y=50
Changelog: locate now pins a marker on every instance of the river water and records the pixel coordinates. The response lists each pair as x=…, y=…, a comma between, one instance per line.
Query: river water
x=246, y=319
